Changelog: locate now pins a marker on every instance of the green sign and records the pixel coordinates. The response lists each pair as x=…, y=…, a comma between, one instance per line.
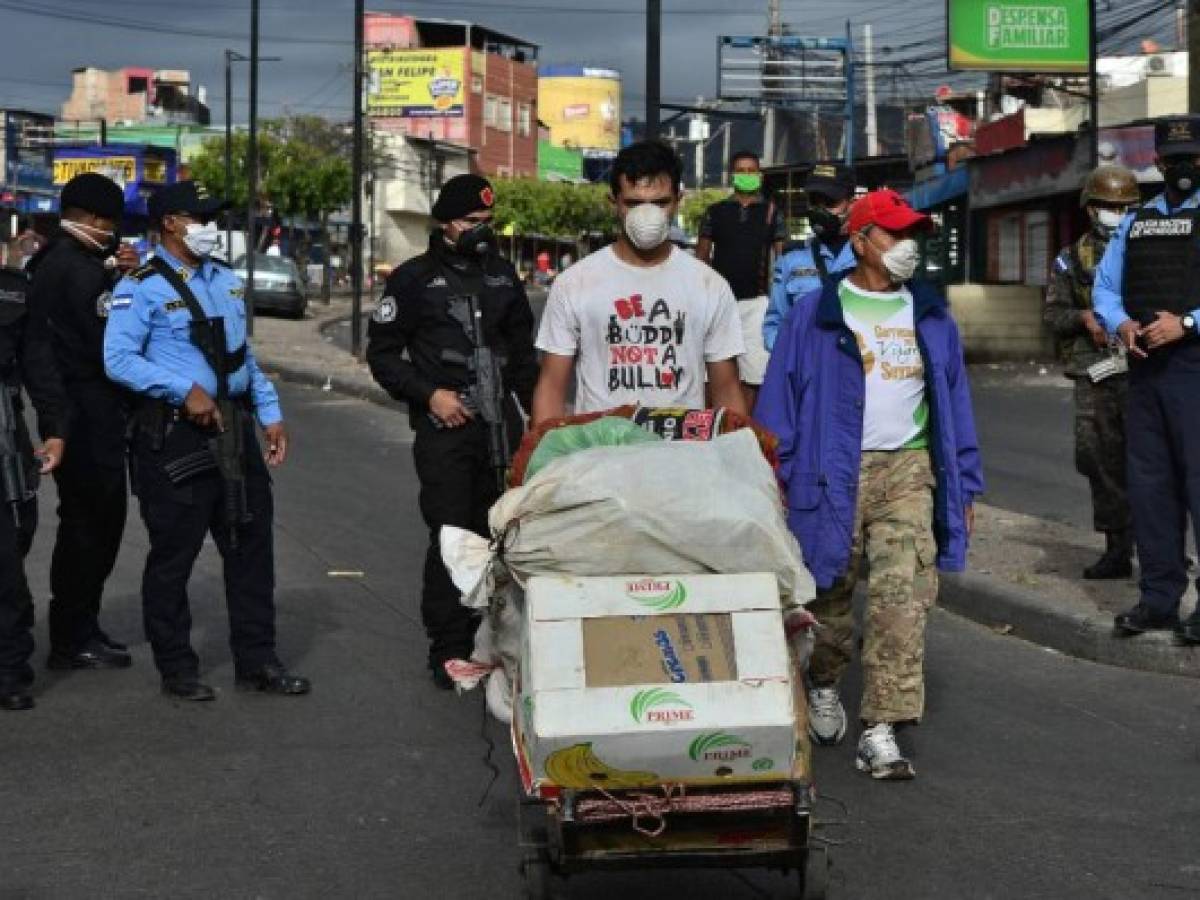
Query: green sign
x=1019, y=35
x=559, y=163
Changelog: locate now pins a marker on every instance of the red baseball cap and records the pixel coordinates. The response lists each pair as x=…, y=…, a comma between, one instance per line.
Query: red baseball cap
x=888, y=210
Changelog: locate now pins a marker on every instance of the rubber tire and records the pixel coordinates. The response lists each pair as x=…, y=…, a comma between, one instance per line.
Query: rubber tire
x=814, y=877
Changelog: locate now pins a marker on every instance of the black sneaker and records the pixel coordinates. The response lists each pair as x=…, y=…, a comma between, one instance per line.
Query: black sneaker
x=1140, y=619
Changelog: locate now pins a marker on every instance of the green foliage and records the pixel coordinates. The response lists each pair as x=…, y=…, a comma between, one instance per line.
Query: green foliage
x=552, y=208
x=303, y=164
x=694, y=205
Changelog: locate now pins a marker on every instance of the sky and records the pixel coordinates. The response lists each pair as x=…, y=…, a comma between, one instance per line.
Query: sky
x=43, y=40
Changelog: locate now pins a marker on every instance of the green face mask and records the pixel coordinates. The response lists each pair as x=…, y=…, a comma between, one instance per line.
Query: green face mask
x=747, y=182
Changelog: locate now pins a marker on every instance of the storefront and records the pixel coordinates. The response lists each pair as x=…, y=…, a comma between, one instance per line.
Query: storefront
x=944, y=251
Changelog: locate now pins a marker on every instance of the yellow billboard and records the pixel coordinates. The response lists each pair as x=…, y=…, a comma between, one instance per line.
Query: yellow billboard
x=582, y=107
x=121, y=169
x=418, y=84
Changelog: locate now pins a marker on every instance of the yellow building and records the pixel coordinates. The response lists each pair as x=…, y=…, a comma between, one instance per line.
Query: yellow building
x=581, y=106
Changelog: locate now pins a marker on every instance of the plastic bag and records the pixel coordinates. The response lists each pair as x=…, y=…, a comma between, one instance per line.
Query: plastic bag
x=606, y=432
x=662, y=507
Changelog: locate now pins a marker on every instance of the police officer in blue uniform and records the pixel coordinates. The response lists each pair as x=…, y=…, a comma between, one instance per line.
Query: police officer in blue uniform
x=800, y=272
x=26, y=361
x=1147, y=292
x=155, y=346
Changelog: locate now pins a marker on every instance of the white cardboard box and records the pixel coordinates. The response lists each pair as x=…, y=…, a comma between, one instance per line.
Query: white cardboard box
x=636, y=681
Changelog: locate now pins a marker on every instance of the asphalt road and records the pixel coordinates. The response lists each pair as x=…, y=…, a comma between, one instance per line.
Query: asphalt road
x=1040, y=776
x=1025, y=422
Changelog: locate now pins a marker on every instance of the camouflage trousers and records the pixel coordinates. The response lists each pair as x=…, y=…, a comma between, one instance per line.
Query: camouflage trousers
x=1100, y=448
x=893, y=531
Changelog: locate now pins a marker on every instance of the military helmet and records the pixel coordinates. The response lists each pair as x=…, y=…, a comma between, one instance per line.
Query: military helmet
x=1110, y=184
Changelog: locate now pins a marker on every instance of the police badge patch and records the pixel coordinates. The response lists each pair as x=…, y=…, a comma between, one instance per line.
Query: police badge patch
x=385, y=313
x=104, y=304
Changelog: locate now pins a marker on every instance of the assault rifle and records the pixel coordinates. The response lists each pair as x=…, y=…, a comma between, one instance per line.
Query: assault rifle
x=484, y=396
x=228, y=448
x=12, y=461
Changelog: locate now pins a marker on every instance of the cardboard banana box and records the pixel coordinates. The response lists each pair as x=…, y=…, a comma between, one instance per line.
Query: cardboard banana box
x=632, y=682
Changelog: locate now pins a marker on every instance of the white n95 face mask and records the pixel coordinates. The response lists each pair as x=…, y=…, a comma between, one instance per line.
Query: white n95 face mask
x=202, y=240
x=901, y=260
x=647, y=225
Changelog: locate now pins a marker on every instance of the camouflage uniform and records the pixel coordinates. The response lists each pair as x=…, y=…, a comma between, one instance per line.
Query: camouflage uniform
x=893, y=529
x=1099, y=407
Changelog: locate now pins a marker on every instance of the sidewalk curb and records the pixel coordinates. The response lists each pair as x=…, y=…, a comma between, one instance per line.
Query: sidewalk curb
x=1083, y=635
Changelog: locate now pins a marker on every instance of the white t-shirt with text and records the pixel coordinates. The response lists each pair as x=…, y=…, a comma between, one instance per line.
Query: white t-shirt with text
x=640, y=335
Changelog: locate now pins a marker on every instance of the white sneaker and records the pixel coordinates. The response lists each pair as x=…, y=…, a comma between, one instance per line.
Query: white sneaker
x=879, y=754
x=826, y=716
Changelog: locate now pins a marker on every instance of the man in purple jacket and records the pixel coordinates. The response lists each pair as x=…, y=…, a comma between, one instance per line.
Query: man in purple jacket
x=867, y=391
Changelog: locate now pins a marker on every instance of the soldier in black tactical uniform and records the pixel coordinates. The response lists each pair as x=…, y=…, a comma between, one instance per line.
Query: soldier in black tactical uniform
x=1101, y=383
x=26, y=360
x=419, y=314
x=73, y=278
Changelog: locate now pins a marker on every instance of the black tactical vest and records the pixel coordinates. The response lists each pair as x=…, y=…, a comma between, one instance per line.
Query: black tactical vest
x=1162, y=263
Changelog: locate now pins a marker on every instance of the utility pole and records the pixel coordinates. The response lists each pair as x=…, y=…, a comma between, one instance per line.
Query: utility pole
x=1193, y=45
x=727, y=150
x=653, y=67
x=356, y=226
x=252, y=169
x=872, y=120
x=229, y=153
x=1181, y=25
x=1094, y=82
x=770, y=97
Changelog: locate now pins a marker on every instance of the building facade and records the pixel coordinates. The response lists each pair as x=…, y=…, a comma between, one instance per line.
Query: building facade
x=135, y=95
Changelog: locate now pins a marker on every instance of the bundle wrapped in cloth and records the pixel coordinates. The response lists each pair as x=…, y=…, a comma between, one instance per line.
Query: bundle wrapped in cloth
x=644, y=508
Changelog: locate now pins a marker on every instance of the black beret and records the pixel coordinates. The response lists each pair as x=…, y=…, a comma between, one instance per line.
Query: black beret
x=95, y=194
x=188, y=197
x=463, y=195
x=1177, y=136
x=830, y=180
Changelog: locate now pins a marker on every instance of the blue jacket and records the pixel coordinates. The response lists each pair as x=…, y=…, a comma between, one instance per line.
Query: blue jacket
x=813, y=400
x=797, y=276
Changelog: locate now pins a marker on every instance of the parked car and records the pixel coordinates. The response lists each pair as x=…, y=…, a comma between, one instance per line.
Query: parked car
x=279, y=284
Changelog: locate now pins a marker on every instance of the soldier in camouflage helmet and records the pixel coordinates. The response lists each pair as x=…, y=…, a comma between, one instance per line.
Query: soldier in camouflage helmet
x=1083, y=343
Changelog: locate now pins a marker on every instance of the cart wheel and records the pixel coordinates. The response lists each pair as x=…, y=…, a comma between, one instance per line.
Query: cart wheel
x=541, y=881
x=814, y=877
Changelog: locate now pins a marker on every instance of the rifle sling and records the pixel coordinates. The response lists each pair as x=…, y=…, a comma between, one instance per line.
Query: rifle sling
x=235, y=359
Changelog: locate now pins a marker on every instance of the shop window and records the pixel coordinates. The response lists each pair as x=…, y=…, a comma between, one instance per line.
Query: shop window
x=1008, y=249
x=1037, y=248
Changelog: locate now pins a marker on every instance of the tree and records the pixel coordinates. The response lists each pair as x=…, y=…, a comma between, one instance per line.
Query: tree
x=695, y=203
x=552, y=208
x=304, y=170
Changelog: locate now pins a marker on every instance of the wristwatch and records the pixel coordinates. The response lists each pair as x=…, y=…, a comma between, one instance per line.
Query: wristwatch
x=1189, y=324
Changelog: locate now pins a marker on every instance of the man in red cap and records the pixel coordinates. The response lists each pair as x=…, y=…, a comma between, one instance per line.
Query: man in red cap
x=867, y=391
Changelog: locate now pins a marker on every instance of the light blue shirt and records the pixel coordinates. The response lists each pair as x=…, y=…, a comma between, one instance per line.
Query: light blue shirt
x=796, y=276
x=147, y=342
x=1106, y=292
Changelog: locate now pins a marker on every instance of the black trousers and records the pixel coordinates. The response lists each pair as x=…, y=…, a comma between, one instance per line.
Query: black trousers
x=1163, y=438
x=16, y=601
x=178, y=518
x=458, y=487
x=92, y=492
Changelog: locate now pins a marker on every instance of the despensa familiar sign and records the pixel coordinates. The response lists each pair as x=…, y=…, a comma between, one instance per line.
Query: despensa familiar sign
x=1018, y=35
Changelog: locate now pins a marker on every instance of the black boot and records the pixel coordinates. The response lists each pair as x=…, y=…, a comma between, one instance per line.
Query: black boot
x=1117, y=561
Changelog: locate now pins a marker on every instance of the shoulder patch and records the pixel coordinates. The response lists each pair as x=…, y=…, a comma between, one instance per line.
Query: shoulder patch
x=174, y=305
x=143, y=273
x=386, y=312
x=437, y=282
x=238, y=292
